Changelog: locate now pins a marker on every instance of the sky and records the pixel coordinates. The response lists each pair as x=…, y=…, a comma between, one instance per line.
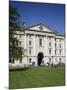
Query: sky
x=33, y=13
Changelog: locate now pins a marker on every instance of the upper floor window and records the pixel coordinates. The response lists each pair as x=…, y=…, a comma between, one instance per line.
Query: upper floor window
x=60, y=59
x=55, y=39
x=55, y=45
x=40, y=42
x=29, y=42
x=29, y=50
x=60, y=45
x=60, y=52
x=55, y=52
x=49, y=51
x=49, y=43
x=49, y=37
x=29, y=35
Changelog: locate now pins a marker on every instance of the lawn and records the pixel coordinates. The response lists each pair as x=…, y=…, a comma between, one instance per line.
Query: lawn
x=36, y=77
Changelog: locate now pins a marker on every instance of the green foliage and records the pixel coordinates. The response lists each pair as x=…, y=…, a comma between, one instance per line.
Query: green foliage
x=15, y=52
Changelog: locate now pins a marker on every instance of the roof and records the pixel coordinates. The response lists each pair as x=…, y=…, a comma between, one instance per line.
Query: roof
x=48, y=27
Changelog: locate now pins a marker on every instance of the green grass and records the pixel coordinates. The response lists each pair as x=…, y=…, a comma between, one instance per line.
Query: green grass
x=36, y=77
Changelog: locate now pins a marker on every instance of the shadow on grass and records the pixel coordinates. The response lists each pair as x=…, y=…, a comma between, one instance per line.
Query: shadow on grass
x=18, y=69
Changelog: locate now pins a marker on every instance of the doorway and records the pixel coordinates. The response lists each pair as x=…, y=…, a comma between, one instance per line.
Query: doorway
x=40, y=57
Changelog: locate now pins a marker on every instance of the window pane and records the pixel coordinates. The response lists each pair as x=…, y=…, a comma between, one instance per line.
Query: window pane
x=49, y=51
x=55, y=45
x=60, y=45
x=60, y=52
x=49, y=43
x=55, y=52
x=29, y=35
x=40, y=42
x=29, y=50
x=29, y=60
x=29, y=42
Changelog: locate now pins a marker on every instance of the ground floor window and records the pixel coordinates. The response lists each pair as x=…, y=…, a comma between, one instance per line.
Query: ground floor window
x=30, y=60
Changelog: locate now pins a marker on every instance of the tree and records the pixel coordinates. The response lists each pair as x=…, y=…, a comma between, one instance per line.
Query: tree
x=15, y=52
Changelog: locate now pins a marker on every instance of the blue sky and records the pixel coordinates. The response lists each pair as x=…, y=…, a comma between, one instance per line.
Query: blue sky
x=31, y=13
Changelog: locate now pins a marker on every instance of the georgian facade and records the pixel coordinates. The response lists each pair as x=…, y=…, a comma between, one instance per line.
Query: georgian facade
x=41, y=39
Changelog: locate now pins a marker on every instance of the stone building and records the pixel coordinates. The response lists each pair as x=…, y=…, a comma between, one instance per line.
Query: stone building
x=41, y=39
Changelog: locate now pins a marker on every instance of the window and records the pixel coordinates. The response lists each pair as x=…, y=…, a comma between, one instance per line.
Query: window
x=60, y=59
x=29, y=42
x=30, y=60
x=60, y=52
x=29, y=50
x=49, y=43
x=49, y=51
x=49, y=38
x=55, y=52
x=40, y=42
x=55, y=39
x=60, y=45
x=55, y=45
x=29, y=35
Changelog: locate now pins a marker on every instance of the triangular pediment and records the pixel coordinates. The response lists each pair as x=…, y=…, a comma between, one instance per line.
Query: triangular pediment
x=41, y=27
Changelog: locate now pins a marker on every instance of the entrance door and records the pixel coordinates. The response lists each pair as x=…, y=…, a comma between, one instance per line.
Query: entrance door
x=40, y=57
